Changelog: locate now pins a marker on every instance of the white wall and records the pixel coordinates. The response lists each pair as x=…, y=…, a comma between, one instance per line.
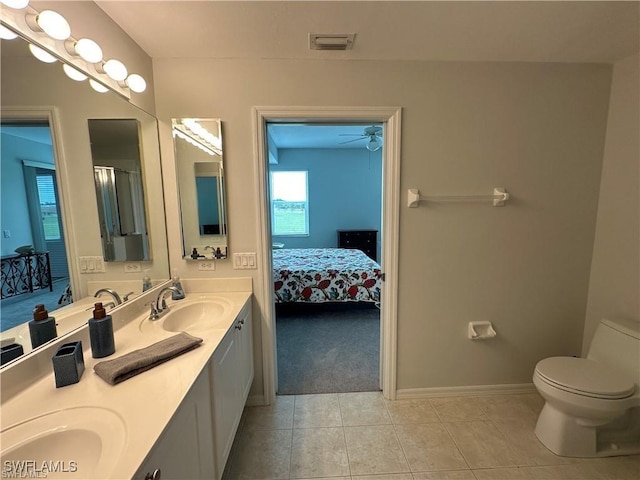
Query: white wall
x=614, y=288
x=536, y=129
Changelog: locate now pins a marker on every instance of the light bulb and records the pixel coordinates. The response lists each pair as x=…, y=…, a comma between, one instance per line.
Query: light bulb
x=97, y=86
x=51, y=23
x=7, y=34
x=136, y=83
x=41, y=54
x=115, y=69
x=88, y=50
x=17, y=4
x=374, y=144
x=74, y=74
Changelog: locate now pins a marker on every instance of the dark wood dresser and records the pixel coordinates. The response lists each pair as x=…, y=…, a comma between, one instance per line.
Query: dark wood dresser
x=365, y=240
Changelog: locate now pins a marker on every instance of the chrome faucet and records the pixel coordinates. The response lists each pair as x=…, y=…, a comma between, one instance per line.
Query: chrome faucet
x=159, y=308
x=116, y=298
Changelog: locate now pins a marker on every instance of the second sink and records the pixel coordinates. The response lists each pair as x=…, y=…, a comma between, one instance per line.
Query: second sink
x=192, y=316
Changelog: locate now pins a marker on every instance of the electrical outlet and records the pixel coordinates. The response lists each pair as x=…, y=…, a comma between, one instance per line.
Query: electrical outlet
x=132, y=267
x=208, y=266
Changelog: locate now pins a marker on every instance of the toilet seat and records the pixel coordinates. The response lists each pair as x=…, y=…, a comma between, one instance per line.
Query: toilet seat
x=584, y=377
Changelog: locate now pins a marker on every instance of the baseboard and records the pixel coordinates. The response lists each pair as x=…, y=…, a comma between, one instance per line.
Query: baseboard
x=255, y=401
x=469, y=391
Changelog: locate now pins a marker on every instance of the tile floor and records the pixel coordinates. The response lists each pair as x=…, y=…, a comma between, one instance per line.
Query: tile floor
x=362, y=436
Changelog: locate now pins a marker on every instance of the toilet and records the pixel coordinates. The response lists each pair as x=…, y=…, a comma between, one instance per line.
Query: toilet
x=592, y=404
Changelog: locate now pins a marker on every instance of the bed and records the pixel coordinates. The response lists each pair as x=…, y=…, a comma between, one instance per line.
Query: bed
x=317, y=275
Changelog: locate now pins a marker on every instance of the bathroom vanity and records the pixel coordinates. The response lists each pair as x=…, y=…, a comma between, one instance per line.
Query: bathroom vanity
x=177, y=420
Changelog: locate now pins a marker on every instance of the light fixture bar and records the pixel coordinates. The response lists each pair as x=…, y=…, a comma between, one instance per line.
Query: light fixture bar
x=15, y=20
x=184, y=132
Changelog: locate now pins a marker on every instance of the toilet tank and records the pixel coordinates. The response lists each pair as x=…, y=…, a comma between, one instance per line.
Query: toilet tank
x=617, y=343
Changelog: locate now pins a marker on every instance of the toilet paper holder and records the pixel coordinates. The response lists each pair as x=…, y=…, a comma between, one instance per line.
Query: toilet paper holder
x=480, y=331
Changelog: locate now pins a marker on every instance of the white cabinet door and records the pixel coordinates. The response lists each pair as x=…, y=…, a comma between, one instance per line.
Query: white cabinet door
x=185, y=449
x=224, y=392
x=231, y=378
x=245, y=360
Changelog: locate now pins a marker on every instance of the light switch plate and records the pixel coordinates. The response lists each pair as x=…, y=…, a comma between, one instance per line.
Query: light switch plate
x=245, y=261
x=92, y=264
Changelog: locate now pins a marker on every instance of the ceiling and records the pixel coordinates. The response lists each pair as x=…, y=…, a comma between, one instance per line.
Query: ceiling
x=296, y=135
x=533, y=31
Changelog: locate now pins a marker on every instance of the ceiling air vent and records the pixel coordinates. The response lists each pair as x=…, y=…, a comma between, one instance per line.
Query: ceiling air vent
x=331, y=41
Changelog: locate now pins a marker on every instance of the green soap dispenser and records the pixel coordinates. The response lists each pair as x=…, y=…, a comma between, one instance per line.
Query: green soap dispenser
x=101, y=333
x=43, y=327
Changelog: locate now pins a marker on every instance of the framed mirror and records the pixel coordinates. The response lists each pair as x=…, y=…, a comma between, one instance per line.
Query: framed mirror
x=200, y=170
x=118, y=176
x=49, y=204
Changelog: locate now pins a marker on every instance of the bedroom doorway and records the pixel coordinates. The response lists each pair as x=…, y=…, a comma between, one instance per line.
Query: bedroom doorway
x=325, y=197
x=371, y=126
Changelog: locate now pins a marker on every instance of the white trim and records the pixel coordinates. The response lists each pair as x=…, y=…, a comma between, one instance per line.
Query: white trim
x=469, y=391
x=50, y=113
x=36, y=164
x=390, y=220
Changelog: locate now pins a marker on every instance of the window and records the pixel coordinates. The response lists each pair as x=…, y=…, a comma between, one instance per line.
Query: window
x=289, y=203
x=48, y=206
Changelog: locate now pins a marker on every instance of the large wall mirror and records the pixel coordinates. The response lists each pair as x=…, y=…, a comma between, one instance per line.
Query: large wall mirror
x=52, y=128
x=200, y=168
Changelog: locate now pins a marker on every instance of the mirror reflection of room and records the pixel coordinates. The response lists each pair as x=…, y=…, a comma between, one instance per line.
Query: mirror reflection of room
x=34, y=259
x=115, y=152
x=37, y=95
x=199, y=163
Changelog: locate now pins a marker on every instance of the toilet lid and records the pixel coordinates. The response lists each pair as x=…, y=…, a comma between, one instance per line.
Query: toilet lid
x=585, y=377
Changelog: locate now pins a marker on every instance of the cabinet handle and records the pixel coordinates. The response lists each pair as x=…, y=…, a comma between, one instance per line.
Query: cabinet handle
x=156, y=475
x=238, y=326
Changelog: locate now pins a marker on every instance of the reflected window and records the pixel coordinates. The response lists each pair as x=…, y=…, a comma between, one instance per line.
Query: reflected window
x=48, y=206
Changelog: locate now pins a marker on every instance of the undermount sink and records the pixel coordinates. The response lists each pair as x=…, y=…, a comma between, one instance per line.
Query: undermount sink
x=82, y=442
x=192, y=316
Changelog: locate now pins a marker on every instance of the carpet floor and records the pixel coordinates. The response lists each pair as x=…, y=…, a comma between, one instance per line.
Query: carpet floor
x=328, y=349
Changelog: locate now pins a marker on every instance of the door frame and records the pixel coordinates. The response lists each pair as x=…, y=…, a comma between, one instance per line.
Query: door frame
x=390, y=117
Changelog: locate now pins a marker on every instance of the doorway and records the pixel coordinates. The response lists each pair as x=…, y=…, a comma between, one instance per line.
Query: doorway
x=325, y=196
x=389, y=118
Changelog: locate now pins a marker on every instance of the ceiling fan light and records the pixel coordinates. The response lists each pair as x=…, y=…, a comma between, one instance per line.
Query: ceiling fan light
x=373, y=144
x=41, y=54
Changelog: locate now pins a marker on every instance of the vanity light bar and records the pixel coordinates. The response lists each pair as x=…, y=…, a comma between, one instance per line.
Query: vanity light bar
x=193, y=141
x=191, y=131
x=19, y=21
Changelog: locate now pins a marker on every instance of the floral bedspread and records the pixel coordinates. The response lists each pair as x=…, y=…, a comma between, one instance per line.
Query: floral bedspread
x=325, y=275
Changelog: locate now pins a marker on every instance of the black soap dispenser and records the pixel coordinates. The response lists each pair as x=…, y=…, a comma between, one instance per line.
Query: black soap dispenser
x=101, y=333
x=43, y=327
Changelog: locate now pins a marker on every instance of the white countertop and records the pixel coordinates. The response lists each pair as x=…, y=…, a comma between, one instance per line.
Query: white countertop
x=145, y=403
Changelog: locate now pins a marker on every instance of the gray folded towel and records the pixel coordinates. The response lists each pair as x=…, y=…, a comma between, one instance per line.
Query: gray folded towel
x=131, y=364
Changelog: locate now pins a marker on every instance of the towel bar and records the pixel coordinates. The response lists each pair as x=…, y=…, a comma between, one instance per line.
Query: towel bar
x=499, y=197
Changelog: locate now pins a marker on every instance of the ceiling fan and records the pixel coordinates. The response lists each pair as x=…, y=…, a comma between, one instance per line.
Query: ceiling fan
x=372, y=134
